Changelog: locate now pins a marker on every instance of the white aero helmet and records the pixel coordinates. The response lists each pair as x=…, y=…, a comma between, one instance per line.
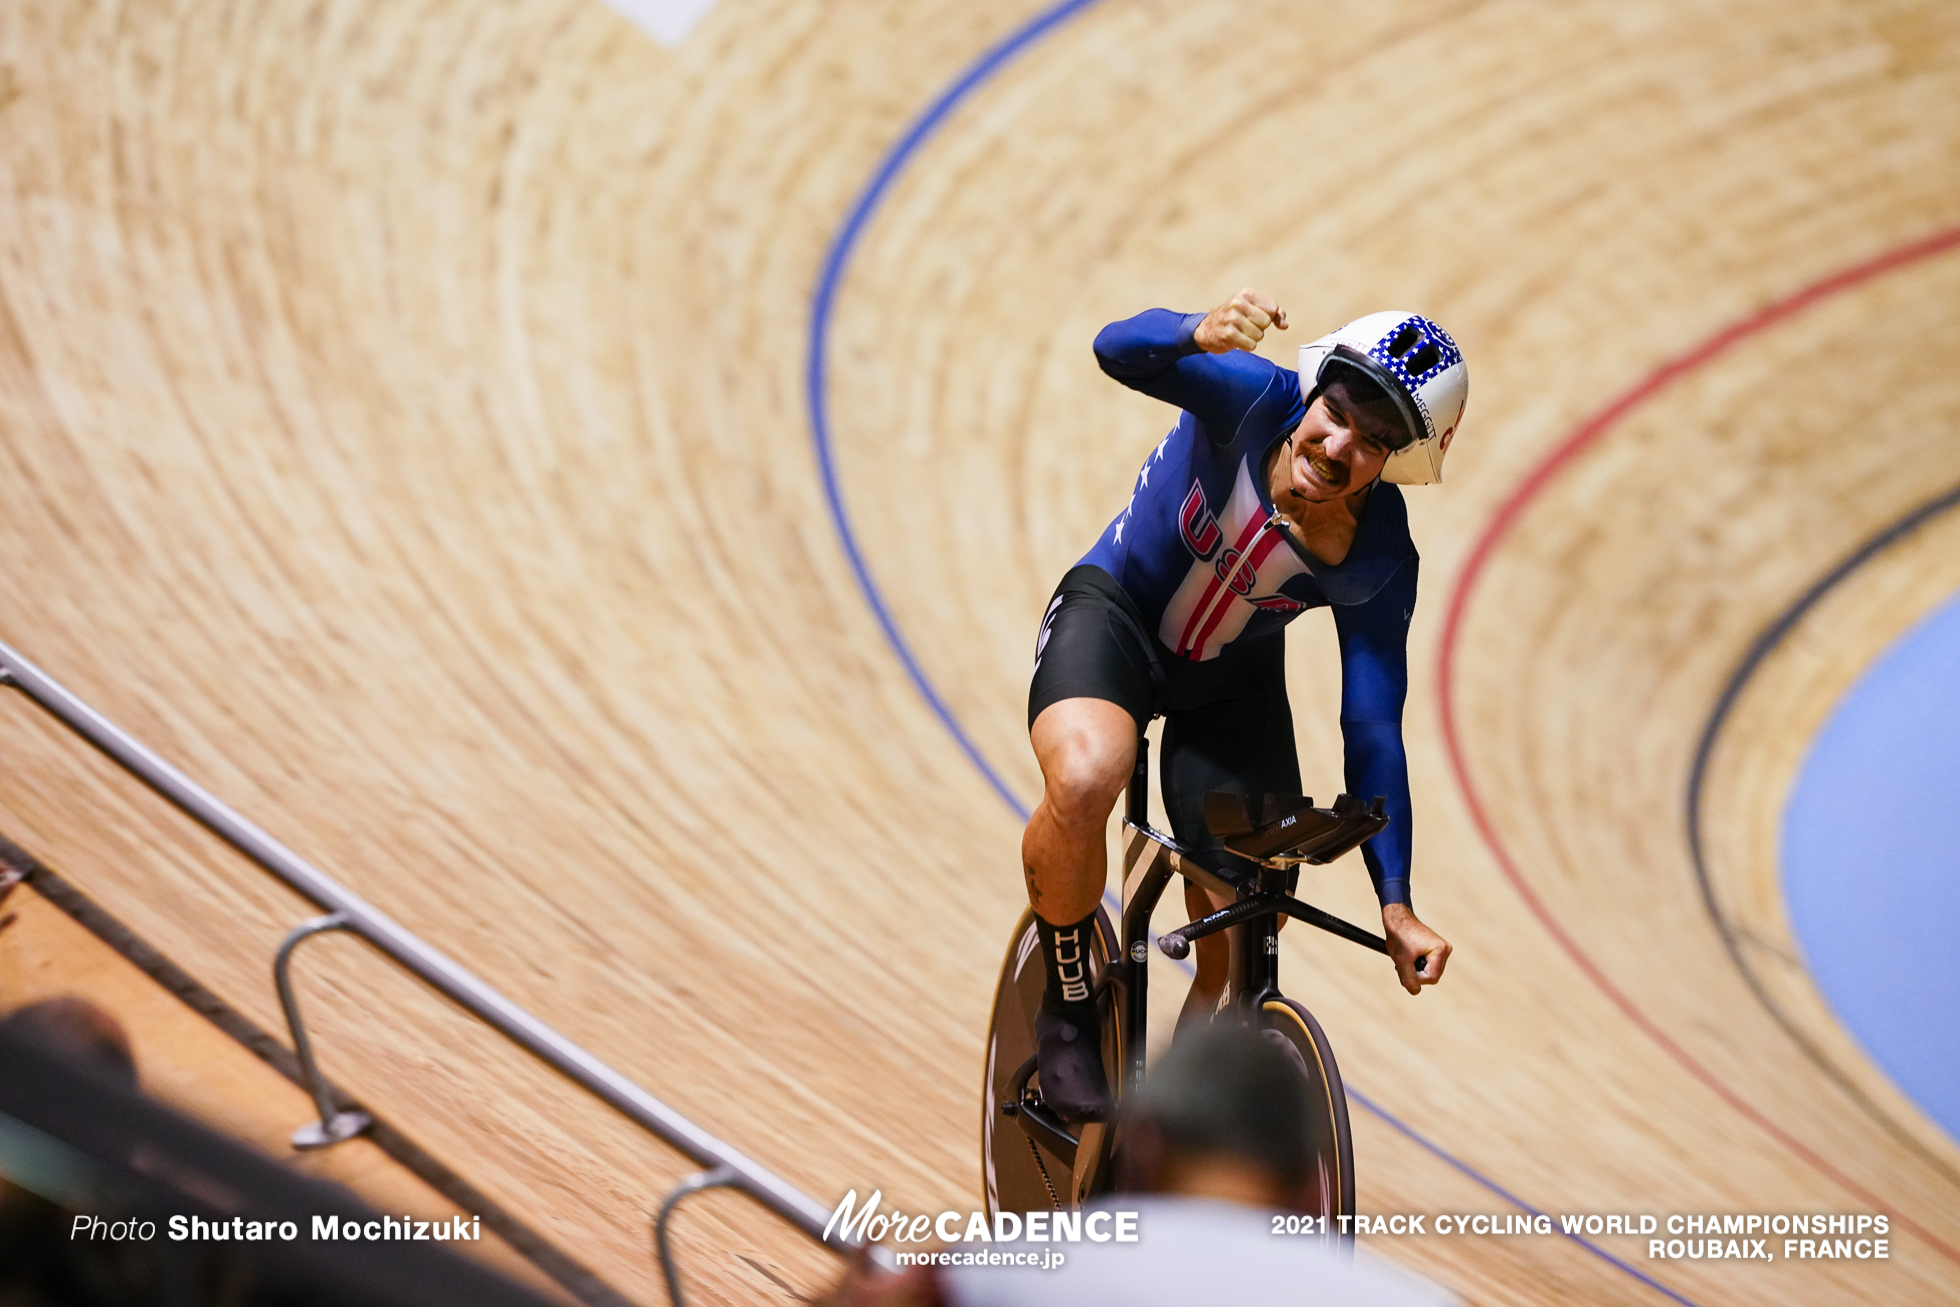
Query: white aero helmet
x=1422, y=370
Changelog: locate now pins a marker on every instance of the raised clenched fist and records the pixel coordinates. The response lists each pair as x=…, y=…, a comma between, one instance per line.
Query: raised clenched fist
x=1239, y=323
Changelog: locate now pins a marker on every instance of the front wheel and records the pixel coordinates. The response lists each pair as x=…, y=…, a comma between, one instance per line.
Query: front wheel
x=1030, y=1162
x=1331, y=1192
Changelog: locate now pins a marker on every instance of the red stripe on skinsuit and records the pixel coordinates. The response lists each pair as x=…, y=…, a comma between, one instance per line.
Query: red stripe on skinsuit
x=1252, y=557
x=1184, y=642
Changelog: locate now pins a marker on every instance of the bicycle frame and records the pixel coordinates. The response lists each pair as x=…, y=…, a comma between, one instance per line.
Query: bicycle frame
x=1260, y=895
x=1256, y=890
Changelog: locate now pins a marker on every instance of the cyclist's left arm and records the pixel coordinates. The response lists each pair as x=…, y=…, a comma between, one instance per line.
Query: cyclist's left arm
x=1157, y=354
x=1374, y=686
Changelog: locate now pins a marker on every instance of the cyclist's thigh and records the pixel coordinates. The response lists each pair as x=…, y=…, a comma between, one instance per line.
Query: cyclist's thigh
x=1090, y=648
x=1240, y=740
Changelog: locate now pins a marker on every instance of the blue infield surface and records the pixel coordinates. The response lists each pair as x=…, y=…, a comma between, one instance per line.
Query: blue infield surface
x=1871, y=862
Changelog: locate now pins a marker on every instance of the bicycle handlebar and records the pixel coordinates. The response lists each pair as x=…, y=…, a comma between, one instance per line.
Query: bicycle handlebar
x=1177, y=943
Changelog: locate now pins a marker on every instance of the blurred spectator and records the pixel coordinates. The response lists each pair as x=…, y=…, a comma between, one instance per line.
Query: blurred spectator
x=80, y=1033
x=40, y=1265
x=1213, y=1146
x=99, y=1170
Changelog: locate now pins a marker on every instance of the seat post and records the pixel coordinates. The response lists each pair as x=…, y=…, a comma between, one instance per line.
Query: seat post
x=1138, y=810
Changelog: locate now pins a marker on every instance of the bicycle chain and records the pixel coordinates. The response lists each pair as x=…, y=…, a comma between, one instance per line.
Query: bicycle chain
x=1046, y=1183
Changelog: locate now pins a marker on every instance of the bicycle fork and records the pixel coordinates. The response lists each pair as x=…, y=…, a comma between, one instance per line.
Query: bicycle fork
x=1255, y=949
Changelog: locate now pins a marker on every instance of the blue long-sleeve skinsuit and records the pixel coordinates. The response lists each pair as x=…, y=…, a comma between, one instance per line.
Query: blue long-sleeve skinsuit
x=1211, y=572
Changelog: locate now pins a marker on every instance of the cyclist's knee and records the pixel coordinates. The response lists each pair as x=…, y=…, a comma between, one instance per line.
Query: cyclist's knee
x=1086, y=749
x=1081, y=787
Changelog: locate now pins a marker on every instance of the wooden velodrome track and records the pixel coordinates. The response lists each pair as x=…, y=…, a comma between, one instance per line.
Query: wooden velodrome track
x=405, y=430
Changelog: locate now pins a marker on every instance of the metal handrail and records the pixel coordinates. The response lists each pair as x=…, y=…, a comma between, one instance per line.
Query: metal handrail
x=334, y=1125
x=440, y=972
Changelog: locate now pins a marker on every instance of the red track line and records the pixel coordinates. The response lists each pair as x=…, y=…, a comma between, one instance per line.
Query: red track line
x=1507, y=516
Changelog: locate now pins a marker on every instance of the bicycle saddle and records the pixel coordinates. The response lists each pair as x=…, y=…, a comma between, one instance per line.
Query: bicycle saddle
x=1268, y=826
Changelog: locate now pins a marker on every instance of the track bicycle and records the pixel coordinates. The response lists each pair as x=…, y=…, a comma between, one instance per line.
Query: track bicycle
x=1035, y=1161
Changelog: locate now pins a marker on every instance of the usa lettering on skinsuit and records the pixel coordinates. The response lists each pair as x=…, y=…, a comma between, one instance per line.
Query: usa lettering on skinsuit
x=1198, y=526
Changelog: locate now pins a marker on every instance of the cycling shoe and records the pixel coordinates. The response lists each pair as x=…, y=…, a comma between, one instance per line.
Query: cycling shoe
x=1074, y=1084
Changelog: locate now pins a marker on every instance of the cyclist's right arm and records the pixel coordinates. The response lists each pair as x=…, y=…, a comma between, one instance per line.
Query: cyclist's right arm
x=1155, y=353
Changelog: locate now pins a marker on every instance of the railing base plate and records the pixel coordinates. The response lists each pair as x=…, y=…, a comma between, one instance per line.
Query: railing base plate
x=325, y=1134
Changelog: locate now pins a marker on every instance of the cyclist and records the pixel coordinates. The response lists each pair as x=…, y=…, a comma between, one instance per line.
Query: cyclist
x=1273, y=493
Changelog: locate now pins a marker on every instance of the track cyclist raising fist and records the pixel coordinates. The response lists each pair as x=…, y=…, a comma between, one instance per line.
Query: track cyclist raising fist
x=1275, y=492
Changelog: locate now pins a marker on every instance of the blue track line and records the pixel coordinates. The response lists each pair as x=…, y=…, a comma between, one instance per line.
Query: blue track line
x=817, y=390
x=1512, y=1198
x=817, y=378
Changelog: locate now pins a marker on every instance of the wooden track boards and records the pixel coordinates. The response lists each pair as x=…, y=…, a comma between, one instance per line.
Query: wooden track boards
x=404, y=432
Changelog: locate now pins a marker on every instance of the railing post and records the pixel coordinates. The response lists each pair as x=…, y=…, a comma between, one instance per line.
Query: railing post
x=333, y=1127
x=441, y=973
x=694, y=1184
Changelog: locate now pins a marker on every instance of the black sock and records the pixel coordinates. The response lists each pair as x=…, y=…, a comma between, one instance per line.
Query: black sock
x=1065, y=955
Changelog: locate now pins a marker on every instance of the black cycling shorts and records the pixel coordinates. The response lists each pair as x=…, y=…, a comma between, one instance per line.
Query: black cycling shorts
x=1227, y=722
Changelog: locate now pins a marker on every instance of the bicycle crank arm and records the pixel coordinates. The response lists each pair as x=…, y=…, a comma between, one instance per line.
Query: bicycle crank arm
x=1041, y=1124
